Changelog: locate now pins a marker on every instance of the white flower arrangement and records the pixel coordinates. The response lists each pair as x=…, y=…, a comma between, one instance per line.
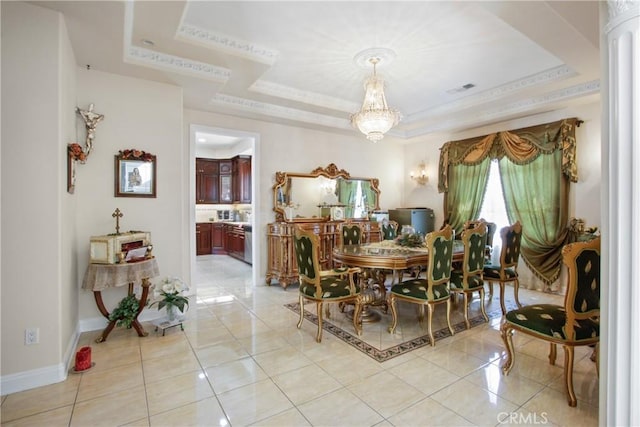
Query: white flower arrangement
x=168, y=291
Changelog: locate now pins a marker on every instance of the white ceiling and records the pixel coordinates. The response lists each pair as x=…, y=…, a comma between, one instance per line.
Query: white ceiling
x=293, y=62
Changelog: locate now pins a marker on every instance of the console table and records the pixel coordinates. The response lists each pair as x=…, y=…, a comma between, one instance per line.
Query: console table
x=99, y=277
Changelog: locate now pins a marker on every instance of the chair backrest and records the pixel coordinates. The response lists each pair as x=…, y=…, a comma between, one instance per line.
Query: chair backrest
x=389, y=230
x=474, y=241
x=350, y=234
x=440, y=247
x=510, y=253
x=491, y=228
x=491, y=231
x=582, y=298
x=307, y=248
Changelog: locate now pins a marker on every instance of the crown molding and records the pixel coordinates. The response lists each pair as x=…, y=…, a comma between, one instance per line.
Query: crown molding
x=272, y=110
x=161, y=61
x=545, y=77
x=226, y=43
x=584, y=89
x=306, y=97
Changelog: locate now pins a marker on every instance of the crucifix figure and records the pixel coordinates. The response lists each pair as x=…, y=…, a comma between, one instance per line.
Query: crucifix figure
x=117, y=215
x=91, y=120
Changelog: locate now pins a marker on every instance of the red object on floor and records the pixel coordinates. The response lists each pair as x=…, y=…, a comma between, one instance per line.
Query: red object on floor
x=83, y=359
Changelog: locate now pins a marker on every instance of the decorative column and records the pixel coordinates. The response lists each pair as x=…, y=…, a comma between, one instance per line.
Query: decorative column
x=620, y=334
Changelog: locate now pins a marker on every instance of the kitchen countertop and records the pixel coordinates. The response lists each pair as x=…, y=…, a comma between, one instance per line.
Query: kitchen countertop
x=236, y=223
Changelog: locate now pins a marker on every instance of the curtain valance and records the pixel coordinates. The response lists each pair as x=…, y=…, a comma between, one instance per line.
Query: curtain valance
x=521, y=146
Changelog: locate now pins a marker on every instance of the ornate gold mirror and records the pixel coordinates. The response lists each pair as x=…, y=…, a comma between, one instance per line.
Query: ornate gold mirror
x=324, y=194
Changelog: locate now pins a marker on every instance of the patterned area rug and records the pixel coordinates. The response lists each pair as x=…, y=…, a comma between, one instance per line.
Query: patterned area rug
x=385, y=353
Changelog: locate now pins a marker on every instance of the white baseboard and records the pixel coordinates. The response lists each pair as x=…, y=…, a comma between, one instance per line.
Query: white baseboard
x=26, y=380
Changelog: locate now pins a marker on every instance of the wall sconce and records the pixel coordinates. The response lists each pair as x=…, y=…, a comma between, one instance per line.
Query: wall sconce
x=420, y=176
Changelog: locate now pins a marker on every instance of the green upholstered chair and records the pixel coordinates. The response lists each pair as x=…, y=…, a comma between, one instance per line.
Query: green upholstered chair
x=350, y=234
x=323, y=286
x=576, y=323
x=432, y=290
x=468, y=278
x=388, y=230
x=507, y=270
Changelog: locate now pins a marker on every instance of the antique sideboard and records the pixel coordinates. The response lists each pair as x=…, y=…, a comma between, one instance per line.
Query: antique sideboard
x=281, y=258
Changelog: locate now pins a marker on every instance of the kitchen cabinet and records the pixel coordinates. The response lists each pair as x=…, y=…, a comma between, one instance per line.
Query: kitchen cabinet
x=203, y=238
x=235, y=241
x=207, y=181
x=217, y=238
x=242, y=179
x=226, y=181
x=223, y=181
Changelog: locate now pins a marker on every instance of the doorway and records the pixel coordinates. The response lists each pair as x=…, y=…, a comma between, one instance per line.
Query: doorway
x=213, y=142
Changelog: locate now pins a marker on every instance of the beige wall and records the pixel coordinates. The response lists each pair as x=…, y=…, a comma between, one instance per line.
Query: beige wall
x=38, y=219
x=146, y=116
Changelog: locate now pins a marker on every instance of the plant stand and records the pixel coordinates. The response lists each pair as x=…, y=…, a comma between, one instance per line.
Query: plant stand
x=164, y=323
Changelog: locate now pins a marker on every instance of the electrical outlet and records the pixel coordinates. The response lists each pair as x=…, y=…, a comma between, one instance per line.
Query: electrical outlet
x=31, y=336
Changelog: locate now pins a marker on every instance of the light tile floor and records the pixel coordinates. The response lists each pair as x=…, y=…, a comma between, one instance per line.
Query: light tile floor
x=242, y=361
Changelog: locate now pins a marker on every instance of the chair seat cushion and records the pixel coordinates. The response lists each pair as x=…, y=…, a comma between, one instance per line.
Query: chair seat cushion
x=332, y=287
x=492, y=271
x=417, y=289
x=549, y=320
x=475, y=281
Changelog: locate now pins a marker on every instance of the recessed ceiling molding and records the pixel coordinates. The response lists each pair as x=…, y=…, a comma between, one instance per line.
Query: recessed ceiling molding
x=226, y=43
x=584, y=89
x=141, y=56
x=306, y=97
x=545, y=77
x=277, y=111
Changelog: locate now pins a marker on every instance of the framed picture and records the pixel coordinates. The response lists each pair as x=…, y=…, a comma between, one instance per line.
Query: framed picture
x=135, y=174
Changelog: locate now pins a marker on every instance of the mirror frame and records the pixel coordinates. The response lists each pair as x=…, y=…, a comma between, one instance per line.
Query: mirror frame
x=332, y=172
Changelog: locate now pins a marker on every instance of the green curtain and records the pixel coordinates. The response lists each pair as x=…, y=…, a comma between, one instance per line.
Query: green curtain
x=347, y=192
x=536, y=195
x=467, y=185
x=539, y=163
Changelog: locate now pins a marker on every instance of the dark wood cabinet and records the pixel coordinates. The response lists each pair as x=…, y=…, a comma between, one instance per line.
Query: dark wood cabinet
x=242, y=179
x=234, y=241
x=223, y=181
x=217, y=238
x=226, y=181
x=203, y=238
x=207, y=181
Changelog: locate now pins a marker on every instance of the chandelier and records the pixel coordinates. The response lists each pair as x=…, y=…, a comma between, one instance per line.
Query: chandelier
x=375, y=118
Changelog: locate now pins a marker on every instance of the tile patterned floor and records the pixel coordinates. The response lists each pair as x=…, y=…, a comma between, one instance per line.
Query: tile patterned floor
x=241, y=361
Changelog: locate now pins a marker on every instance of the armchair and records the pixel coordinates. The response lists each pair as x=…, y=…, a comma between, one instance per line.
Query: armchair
x=432, y=290
x=323, y=286
x=576, y=323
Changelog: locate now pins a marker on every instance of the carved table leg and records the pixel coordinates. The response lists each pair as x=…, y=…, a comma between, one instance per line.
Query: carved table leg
x=143, y=301
x=105, y=333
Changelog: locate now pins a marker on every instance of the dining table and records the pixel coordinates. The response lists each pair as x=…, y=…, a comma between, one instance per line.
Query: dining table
x=376, y=260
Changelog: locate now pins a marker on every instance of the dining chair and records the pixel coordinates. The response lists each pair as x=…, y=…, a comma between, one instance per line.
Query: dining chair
x=389, y=230
x=575, y=323
x=507, y=270
x=350, y=233
x=491, y=231
x=323, y=286
x=468, y=278
x=432, y=290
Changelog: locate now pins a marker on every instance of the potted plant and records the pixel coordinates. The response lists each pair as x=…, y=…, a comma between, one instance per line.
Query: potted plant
x=126, y=311
x=168, y=293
